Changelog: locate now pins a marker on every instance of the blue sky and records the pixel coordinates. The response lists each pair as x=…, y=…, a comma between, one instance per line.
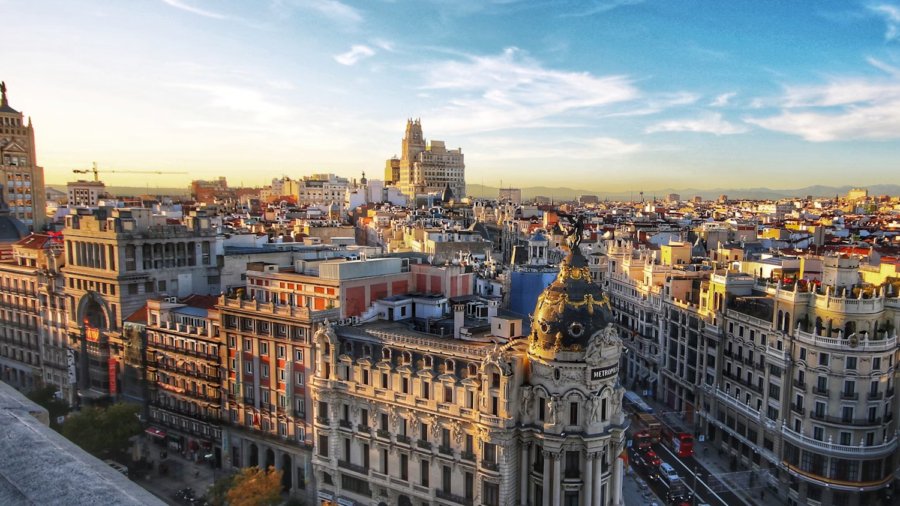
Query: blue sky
x=604, y=95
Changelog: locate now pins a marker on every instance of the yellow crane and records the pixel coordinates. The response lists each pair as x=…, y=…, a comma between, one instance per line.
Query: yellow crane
x=96, y=171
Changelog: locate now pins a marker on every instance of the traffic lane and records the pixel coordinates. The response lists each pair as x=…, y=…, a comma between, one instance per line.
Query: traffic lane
x=652, y=480
x=703, y=492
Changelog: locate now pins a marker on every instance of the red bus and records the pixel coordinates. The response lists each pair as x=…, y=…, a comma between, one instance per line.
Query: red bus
x=682, y=444
x=643, y=441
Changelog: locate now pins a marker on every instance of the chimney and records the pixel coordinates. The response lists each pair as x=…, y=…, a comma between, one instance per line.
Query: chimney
x=458, y=312
x=492, y=308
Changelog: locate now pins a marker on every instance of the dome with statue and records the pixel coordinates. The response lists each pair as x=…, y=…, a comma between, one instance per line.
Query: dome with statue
x=570, y=312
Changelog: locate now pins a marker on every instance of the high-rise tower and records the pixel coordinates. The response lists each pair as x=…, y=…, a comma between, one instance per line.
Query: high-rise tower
x=426, y=167
x=21, y=177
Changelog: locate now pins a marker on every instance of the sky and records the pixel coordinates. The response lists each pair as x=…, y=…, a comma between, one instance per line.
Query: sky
x=597, y=94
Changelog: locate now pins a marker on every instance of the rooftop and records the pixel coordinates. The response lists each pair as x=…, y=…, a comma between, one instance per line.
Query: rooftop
x=39, y=466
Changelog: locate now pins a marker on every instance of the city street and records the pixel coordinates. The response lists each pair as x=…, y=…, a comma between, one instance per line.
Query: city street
x=181, y=473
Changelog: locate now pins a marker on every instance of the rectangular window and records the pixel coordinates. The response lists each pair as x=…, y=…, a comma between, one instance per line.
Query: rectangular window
x=404, y=467
x=490, y=494
x=323, y=445
x=573, y=413
x=823, y=359
x=298, y=356
x=384, y=380
x=423, y=472
x=850, y=363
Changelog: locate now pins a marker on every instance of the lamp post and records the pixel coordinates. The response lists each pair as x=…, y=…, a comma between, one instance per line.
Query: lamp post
x=694, y=498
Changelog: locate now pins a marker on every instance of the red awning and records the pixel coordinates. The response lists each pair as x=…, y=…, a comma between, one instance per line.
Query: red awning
x=153, y=431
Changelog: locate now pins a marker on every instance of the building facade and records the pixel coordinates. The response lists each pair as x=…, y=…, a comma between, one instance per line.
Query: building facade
x=427, y=167
x=794, y=381
x=185, y=353
x=85, y=193
x=21, y=177
x=404, y=417
x=115, y=260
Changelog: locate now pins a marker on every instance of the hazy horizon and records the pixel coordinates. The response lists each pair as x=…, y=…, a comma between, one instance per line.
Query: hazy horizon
x=615, y=94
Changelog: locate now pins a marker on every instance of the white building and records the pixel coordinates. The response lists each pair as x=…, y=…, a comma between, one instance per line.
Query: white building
x=405, y=417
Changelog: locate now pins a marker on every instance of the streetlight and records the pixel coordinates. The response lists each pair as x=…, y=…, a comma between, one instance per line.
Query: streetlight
x=694, y=498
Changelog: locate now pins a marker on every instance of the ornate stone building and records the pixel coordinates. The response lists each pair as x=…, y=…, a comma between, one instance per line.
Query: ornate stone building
x=21, y=178
x=404, y=417
x=426, y=167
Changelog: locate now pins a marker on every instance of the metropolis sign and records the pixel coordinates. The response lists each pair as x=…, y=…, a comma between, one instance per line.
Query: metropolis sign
x=600, y=373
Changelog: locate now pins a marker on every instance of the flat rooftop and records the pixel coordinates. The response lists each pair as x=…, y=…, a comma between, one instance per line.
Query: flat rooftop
x=40, y=466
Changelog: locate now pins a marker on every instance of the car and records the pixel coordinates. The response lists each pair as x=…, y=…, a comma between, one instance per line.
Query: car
x=668, y=473
x=652, y=458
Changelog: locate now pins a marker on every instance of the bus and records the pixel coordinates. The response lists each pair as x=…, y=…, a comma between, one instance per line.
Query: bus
x=682, y=443
x=634, y=400
x=642, y=441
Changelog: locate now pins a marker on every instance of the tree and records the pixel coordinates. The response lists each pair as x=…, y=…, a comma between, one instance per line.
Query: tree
x=46, y=398
x=101, y=431
x=254, y=487
x=217, y=493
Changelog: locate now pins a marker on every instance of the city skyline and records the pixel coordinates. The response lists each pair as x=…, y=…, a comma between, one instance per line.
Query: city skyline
x=616, y=94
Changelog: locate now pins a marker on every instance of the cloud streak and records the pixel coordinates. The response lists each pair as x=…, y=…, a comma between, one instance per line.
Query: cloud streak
x=891, y=15
x=711, y=123
x=178, y=4
x=841, y=109
x=512, y=90
x=355, y=54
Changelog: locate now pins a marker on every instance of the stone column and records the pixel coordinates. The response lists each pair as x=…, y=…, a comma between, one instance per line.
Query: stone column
x=616, y=482
x=598, y=481
x=523, y=486
x=557, y=477
x=545, y=499
x=278, y=459
x=589, y=480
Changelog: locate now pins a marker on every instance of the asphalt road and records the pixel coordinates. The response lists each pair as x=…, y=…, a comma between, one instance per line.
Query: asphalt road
x=685, y=467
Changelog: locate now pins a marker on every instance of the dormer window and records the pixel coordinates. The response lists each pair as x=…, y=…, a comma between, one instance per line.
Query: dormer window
x=407, y=357
x=385, y=354
x=449, y=366
x=473, y=370
x=428, y=361
x=367, y=350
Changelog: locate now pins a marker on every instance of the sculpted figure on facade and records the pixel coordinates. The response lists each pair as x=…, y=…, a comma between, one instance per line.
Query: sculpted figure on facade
x=596, y=408
x=593, y=354
x=553, y=406
x=495, y=357
x=525, y=406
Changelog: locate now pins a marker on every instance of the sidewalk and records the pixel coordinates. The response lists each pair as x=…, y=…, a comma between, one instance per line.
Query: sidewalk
x=181, y=473
x=707, y=455
x=635, y=491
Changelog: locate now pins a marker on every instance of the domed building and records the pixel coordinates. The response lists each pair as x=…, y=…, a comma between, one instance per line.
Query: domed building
x=406, y=417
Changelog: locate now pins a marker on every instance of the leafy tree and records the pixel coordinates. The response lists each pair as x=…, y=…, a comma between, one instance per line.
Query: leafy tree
x=102, y=431
x=217, y=493
x=254, y=487
x=46, y=398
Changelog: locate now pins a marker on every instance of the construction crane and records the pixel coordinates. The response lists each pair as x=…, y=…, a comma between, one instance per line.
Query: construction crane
x=96, y=172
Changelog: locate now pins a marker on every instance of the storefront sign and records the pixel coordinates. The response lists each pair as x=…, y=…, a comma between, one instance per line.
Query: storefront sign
x=92, y=334
x=325, y=495
x=112, y=376
x=602, y=373
x=70, y=365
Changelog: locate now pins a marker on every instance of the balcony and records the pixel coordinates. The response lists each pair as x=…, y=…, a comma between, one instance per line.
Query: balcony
x=850, y=396
x=322, y=420
x=458, y=499
x=402, y=439
x=860, y=451
x=425, y=445
x=382, y=433
x=844, y=421
x=800, y=384
x=446, y=450
x=889, y=393
x=346, y=424
x=467, y=456
x=798, y=409
x=489, y=465
x=820, y=391
x=364, y=429
x=356, y=468
x=875, y=396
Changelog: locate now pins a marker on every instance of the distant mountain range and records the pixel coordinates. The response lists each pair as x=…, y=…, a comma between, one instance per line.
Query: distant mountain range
x=686, y=193
x=564, y=193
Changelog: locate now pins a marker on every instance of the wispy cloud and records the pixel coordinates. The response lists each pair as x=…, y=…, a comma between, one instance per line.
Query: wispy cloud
x=840, y=109
x=178, y=4
x=711, y=123
x=512, y=90
x=589, y=148
x=251, y=102
x=336, y=11
x=891, y=15
x=598, y=7
x=722, y=100
x=356, y=53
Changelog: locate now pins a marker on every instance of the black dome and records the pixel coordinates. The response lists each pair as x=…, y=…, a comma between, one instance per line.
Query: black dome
x=571, y=310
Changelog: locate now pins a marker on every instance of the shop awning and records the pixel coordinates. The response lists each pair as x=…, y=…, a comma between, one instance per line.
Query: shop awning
x=155, y=432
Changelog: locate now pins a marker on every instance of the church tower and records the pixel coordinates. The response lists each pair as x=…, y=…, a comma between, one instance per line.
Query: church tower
x=22, y=180
x=572, y=403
